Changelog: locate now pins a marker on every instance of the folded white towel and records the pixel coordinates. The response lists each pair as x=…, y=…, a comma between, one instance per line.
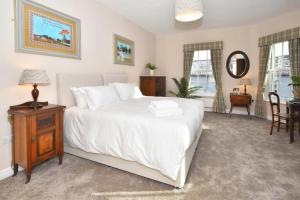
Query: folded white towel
x=165, y=112
x=164, y=104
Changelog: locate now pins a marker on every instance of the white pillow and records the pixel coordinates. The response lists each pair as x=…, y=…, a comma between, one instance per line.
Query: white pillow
x=127, y=90
x=100, y=95
x=80, y=98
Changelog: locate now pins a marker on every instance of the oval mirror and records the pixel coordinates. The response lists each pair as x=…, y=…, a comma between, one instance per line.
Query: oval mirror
x=237, y=64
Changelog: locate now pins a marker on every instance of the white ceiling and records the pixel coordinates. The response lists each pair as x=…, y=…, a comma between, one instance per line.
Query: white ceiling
x=157, y=16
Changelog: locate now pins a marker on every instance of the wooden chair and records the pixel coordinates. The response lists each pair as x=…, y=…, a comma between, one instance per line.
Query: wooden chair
x=281, y=117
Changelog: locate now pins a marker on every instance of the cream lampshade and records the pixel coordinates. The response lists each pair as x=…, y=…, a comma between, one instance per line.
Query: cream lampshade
x=34, y=77
x=245, y=82
x=188, y=10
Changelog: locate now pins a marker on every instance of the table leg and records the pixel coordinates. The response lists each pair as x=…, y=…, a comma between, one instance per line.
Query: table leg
x=16, y=168
x=230, y=111
x=292, y=127
x=60, y=159
x=248, y=111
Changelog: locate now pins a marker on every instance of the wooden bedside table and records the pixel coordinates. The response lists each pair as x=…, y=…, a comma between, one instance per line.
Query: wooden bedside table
x=37, y=135
x=240, y=100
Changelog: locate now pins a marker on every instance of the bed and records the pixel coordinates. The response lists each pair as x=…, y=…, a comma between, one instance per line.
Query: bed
x=126, y=136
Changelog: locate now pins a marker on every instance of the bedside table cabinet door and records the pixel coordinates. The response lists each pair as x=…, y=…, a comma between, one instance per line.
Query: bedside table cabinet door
x=46, y=145
x=45, y=136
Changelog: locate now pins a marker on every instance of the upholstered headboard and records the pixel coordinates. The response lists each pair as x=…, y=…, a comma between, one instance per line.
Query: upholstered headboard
x=65, y=81
x=115, y=77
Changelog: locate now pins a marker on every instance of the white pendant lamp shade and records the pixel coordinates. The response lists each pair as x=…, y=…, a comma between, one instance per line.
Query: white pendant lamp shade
x=188, y=10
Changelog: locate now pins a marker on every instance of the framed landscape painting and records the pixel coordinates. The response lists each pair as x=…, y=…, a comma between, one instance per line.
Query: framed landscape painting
x=123, y=51
x=42, y=30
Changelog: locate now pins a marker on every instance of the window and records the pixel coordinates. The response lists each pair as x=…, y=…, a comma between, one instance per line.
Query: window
x=202, y=74
x=279, y=71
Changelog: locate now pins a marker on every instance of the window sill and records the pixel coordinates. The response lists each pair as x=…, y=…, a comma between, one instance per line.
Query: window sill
x=281, y=102
x=206, y=97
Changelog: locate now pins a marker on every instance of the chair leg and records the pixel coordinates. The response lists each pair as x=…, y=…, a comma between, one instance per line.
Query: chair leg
x=287, y=125
x=272, y=125
x=279, y=122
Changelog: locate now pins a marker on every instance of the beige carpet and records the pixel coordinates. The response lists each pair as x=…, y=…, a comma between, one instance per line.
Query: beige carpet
x=236, y=159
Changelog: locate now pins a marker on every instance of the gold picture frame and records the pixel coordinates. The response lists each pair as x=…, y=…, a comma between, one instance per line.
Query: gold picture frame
x=42, y=30
x=123, y=51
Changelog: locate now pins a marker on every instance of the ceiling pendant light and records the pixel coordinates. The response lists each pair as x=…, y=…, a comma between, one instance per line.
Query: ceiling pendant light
x=188, y=10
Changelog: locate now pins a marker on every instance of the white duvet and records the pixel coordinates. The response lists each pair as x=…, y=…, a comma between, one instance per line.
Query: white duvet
x=128, y=130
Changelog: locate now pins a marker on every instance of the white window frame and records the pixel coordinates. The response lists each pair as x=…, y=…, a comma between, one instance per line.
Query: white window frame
x=275, y=71
x=208, y=71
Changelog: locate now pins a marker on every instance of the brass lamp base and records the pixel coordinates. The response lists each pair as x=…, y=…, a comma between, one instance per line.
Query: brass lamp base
x=245, y=89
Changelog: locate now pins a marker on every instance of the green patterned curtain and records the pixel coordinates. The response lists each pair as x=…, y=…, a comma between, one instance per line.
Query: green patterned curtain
x=216, y=49
x=260, y=106
x=216, y=61
x=188, y=51
x=265, y=43
x=294, y=47
x=282, y=36
x=187, y=64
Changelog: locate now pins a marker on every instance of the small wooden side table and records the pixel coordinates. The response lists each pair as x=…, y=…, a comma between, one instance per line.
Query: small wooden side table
x=240, y=100
x=37, y=135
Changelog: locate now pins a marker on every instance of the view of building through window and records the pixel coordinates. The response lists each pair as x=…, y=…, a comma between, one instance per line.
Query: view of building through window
x=202, y=74
x=279, y=71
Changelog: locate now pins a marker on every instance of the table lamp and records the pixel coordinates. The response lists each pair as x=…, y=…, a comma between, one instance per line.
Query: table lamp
x=34, y=77
x=245, y=82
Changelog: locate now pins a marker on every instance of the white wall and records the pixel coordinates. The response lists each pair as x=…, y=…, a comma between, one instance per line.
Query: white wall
x=169, y=49
x=98, y=24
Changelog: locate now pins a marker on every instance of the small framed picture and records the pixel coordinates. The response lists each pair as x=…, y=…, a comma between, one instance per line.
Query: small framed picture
x=236, y=90
x=123, y=51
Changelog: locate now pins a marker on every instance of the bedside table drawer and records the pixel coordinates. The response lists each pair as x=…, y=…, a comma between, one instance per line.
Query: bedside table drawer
x=45, y=120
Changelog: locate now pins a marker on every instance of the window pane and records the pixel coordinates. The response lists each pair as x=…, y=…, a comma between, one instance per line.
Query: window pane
x=278, y=49
x=286, y=48
x=196, y=55
x=208, y=55
x=201, y=75
x=279, y=71
x=202, y=55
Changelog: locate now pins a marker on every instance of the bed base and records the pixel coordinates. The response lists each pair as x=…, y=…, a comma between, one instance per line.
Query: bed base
x=139, y=169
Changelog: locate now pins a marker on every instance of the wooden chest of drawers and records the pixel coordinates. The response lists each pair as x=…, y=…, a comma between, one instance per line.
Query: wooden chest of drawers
x=37, y=136
x=153, y=85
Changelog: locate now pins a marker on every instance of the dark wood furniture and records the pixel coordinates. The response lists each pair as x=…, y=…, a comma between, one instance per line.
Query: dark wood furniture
x=153, y=85
x=37, y=135
x=240, y=100
x=293, y=107
x=277, y=116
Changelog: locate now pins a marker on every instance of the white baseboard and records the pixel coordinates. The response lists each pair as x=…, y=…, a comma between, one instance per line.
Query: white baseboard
x=6, y=139
x=7, y=172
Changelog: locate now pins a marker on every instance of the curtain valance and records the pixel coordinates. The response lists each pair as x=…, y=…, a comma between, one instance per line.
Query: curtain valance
x=203, y=46
x=282, y=36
